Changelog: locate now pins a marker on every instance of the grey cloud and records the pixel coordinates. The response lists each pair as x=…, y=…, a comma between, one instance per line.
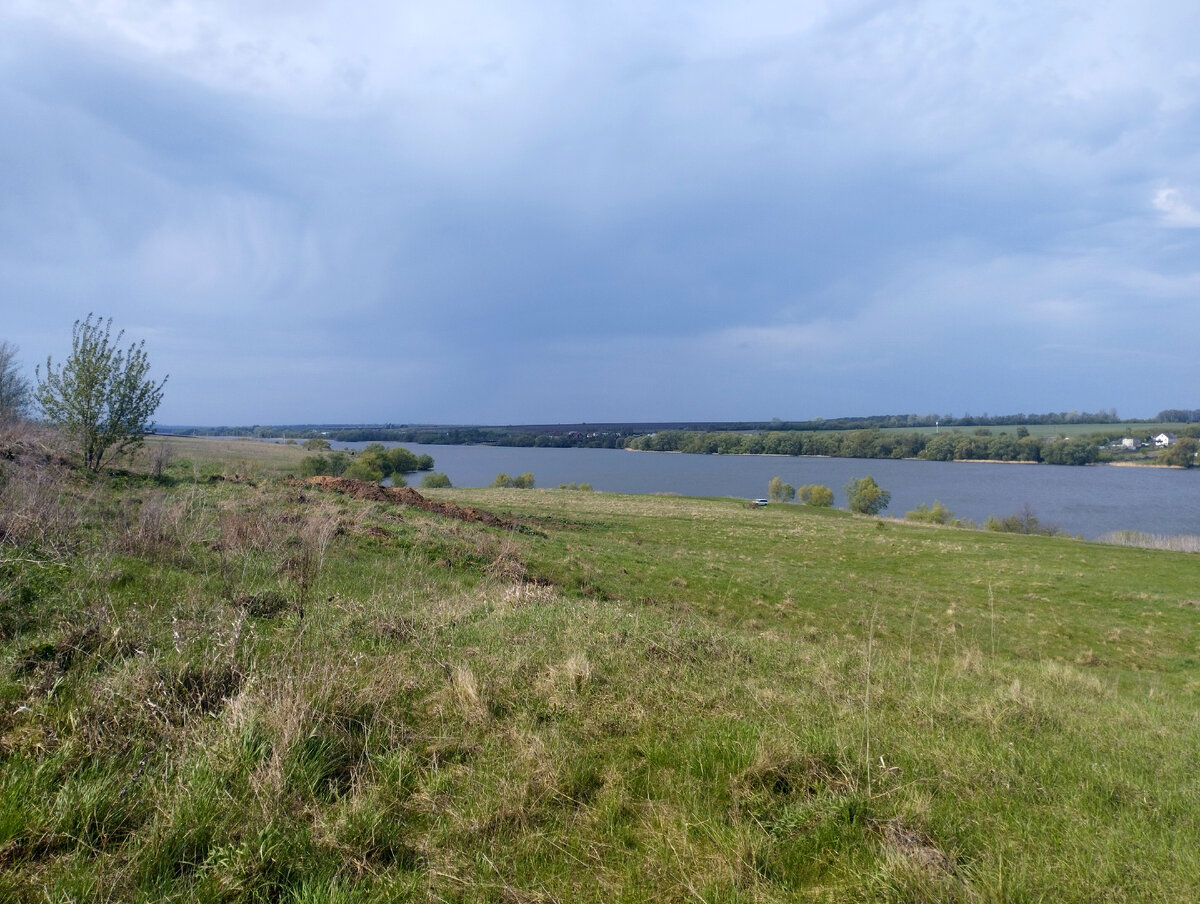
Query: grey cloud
x=503, y=211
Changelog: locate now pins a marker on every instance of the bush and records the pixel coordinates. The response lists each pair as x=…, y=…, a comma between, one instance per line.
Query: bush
x=520, y=482
x=365, y=468
x=937, y=514
x=778, y=491
x=316, y=444
x=435, y=480
x=1023, y=522
x=865, y=496
x=332, y=465
x=586, y=487
x=815, y=494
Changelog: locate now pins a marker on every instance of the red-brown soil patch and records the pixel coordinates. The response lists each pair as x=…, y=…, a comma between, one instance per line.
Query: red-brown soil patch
x=365, y=489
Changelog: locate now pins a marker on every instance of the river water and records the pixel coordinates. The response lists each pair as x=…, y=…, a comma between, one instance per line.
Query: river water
x=1090, y=500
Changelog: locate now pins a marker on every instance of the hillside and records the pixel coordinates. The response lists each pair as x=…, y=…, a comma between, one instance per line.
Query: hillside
x=224, y=685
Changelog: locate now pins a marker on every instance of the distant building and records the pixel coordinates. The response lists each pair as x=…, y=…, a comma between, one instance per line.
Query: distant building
x=1130, y=443
x=1164, y=439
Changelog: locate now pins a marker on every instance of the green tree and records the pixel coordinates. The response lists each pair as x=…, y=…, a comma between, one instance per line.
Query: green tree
x=313, y=465
x=317, y=444
x=815, y=494
x=402, y=460
x=373, y=457
x=865, y=496
x=365, y=468
x=1180, y=454
x=14, y=388
x=435, y=480
x=778, y=491
x=101, y=396
x=1077, y=451
x=333, y=465
x=940, y=447
x=339, y=461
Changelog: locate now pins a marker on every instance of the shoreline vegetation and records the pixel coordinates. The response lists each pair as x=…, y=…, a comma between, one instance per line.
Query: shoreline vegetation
x=221, y=683
x=1068, y=438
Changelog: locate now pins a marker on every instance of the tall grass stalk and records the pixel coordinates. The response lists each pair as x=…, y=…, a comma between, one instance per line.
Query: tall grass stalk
x=1176, y=542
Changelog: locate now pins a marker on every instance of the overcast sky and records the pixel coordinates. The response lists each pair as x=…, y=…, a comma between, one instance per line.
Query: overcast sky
x=514, y=212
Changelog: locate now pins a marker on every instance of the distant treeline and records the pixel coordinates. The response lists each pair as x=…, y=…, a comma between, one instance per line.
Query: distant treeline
x=473, y=436
x=618, y=435
x=980, y=445
x=445, y=436
x=1180, y=416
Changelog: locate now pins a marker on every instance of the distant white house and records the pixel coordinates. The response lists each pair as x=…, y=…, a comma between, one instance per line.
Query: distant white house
x=1164, y=439
x=1130, y=443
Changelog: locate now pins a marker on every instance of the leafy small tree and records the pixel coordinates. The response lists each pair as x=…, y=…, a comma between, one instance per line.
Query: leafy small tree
x=317, y=444
x=865, y=496
x=14, y=388
x=100, y=396
x=435, y=480
x=778, y=491
x=1180, y=454
x=816, y=495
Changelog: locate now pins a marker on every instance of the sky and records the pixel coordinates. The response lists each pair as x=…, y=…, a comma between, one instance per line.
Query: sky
x=531, y=212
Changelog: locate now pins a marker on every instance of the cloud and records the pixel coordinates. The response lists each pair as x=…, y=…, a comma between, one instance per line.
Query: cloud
x=1175, y=210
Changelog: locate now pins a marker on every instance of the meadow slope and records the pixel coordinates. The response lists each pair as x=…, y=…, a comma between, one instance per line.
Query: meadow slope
x=224, y=685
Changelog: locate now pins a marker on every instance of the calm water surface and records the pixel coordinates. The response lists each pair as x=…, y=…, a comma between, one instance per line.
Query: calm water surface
x=1081, y=500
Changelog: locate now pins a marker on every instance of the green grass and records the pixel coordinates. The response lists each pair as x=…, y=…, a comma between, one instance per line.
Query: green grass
x=249, y=690
x=1139, y=429
x=209, y=456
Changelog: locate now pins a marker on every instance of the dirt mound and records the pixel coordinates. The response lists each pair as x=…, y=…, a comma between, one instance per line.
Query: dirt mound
x=365, y=489
x=348, y=486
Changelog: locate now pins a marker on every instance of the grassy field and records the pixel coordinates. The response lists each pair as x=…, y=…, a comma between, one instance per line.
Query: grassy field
x=222, y=686
x=215, y=455
x=1139, y=430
